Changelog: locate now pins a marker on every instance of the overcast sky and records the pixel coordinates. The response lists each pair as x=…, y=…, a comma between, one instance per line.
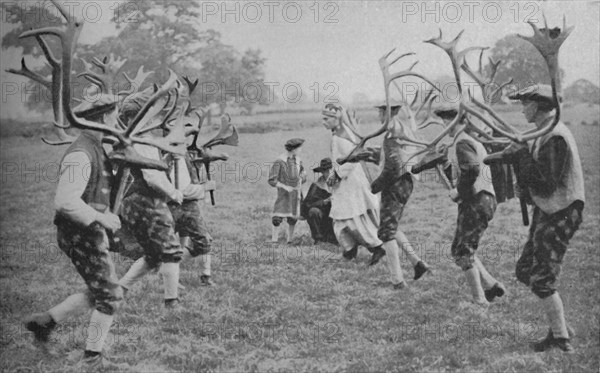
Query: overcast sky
x=341, y=41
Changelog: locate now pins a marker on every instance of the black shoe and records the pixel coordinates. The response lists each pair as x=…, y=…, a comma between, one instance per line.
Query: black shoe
x=350, y=254
x=420, y=269
x=332, y=240
x=549, y=342
x=496, y=291
x=41, y=324
x=205, y=280
x=378, y=253
x=400, y=285
x=564, y=344
x=173, y=304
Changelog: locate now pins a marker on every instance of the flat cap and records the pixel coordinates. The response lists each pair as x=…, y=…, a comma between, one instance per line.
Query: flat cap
x=538, y=92
x=292, y=144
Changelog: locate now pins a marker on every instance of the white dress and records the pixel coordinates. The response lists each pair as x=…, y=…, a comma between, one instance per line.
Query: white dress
x=354, y=209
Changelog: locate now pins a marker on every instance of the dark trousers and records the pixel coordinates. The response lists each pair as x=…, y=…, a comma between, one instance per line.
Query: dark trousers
x=321, y=225
x=472, y=221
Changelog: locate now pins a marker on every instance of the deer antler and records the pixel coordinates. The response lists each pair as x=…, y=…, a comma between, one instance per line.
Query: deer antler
x=108, y=70
x=456, y=57
x=54, y=85
x=68, y=35
x=36, y=77
x=489, y=88
x=388, y=79
x=548, y=43
x=190, y=84
x=136, y=83
x=227, y=134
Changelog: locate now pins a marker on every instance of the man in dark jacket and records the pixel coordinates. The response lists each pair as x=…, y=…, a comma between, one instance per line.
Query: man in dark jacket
x=317, y=204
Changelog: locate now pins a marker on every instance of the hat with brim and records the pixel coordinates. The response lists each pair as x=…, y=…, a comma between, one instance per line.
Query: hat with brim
x=325, y=165
x=539, y=93
x=393, y=104
x=292, y=144
x=92, y=107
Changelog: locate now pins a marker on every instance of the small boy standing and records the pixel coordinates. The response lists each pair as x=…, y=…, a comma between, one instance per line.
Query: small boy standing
x=287, y=175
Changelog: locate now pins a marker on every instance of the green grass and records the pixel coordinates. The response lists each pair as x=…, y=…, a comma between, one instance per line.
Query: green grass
x=299, y=307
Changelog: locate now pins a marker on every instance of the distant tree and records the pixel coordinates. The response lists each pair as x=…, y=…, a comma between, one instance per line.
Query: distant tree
x=229, y=78
x=520, y=61
x=160, y=35
x=582, y=91
x=156, y=34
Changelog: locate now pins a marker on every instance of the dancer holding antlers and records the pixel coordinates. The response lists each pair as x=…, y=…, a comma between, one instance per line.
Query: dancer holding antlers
x=473, y=192
x=86, y=192
x=151, y=201
x=550, y=174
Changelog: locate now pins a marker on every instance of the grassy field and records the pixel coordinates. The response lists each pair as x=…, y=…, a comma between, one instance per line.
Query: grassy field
x=298, y=307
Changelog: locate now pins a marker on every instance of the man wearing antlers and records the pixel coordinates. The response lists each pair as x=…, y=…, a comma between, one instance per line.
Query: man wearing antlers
x=395, y=182
x=189, y=221
x=476, y=199
x=82, y=201
x=551, y=174
x=148, y=213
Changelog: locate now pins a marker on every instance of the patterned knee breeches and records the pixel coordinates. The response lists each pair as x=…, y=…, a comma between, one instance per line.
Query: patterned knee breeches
x=190, y=223
x=549, y=234
x=393, y=200
x=88, y=250
x=151, y=222
x=473, y=218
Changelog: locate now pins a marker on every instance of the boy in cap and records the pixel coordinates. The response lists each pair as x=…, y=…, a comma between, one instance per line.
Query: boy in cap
x=395, y=182
x=551, y=173
x=476, y=198
x=317, y=205
x=287, y=175
x=83, y=217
